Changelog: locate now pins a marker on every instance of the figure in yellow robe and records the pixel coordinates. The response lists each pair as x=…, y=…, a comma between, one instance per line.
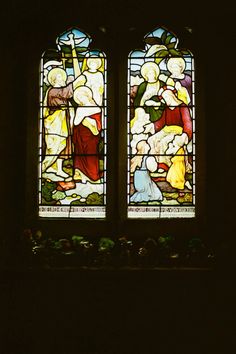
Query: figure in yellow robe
x=176, y=172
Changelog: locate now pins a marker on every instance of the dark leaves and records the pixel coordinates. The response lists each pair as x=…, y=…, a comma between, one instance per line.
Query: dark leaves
x=152, y=40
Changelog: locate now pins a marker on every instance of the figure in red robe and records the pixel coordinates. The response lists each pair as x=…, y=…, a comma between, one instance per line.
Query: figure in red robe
x=86, y=136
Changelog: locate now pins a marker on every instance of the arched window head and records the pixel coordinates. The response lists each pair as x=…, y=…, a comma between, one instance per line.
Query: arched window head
x=161, y=129
x=72, y=140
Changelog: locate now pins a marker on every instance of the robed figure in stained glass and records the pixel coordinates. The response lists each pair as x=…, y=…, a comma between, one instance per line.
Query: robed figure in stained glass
x=57, y=115
x=141, y=165
x=175, y=126
x=86, y=134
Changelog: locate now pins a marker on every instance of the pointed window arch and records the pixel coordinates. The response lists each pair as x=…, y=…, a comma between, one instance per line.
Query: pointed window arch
x=161, y=129
x=72, y=126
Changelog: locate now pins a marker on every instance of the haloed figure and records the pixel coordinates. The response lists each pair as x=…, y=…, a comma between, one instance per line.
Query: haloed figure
x=181, y=81
x=95, y=80
x=147, y=94
x=86, y=136
x=56, y=116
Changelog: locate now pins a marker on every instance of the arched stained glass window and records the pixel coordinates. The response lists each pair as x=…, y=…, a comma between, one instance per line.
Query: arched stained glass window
x=161, y=129
x=72, y=140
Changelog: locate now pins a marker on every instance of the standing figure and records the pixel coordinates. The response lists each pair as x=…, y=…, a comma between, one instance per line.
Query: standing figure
x=95, y=80
x=56, y=116
x=86, y=136
x=142, y=165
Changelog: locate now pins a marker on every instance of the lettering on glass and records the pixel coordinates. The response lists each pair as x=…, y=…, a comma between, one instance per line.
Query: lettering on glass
x=72, y=141
x=161, y=137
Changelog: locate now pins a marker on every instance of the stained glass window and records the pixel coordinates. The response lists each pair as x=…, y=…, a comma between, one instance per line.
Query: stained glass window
x=161, y=129
x=72, y=140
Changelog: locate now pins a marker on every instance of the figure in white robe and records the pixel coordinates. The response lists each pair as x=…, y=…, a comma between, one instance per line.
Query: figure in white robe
x=95, y=79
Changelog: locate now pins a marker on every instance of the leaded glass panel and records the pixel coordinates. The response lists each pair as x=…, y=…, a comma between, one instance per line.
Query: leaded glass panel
x=72, y=125
x=161, y=129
